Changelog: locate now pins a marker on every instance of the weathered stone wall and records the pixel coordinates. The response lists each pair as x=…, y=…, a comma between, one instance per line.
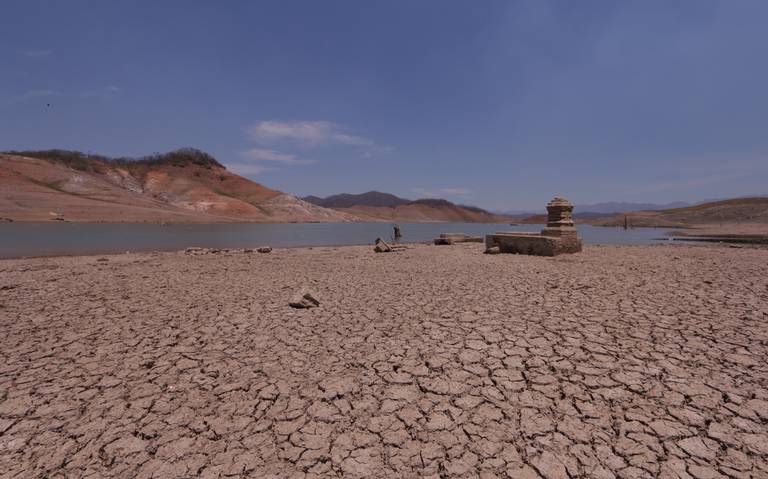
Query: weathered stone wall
x=453, y=238
x=524, y=243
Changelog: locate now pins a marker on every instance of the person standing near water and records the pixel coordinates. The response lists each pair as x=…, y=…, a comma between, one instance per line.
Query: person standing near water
x=398, y=235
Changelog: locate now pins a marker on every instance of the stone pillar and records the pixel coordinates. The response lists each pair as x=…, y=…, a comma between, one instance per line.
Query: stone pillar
x=560, y=220
x=559, y=213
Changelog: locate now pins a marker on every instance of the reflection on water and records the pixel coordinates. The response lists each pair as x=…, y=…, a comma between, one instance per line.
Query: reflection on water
x=45, y=239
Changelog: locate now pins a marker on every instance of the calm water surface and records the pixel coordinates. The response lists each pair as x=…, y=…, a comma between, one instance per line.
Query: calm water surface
x=46, y=239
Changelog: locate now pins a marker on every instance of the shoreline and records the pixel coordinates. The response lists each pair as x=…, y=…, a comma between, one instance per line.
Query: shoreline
x=31, y=240
x=206, y=251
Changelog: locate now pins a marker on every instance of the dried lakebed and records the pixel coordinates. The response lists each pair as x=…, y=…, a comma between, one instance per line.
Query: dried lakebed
x=621, y=361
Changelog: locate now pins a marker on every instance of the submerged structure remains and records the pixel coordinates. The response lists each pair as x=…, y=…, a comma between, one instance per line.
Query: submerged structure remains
x=558, y=237
x=453, y=238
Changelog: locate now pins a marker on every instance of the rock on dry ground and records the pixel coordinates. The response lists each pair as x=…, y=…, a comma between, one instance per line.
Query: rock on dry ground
x=626, y=362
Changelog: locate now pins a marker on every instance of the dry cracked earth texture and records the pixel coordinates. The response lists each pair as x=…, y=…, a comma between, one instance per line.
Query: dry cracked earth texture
x=627, y=362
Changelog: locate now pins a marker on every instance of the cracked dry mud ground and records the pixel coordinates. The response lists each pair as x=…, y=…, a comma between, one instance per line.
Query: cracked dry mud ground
x=437, y=361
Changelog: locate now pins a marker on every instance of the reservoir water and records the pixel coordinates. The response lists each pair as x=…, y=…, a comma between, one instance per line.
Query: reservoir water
x=50, y=239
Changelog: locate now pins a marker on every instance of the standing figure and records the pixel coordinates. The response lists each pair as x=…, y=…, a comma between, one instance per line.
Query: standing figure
x=398, y=235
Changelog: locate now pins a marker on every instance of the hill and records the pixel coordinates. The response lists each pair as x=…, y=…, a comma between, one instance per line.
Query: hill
x=612, y=207
x=738, y=210
x=346, y=200
x=185, y=185
x=378, y=206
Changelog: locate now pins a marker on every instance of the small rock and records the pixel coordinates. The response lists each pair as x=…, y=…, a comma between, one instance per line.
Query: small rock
x=102, y=260
x=493, y=250
x=304, y=299
x=265, y=249
x=248, y=250
x=382, y=246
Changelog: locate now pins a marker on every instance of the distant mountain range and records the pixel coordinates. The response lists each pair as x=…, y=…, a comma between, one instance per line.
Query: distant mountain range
x=346, y=200
x=190, y=186
x=378, y=206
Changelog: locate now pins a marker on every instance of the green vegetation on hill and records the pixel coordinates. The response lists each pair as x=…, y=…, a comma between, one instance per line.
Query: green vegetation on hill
x=80, y=161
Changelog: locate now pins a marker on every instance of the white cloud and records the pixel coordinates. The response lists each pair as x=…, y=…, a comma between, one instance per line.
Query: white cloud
x=260, y=154
x=307, y=133
x=437, y=192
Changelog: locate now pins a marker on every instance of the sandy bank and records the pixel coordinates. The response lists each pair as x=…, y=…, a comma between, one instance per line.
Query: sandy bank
x=626, y=361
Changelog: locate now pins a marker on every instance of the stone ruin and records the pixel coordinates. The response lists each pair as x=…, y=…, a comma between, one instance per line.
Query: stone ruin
x=453, y=238
x=558, y=237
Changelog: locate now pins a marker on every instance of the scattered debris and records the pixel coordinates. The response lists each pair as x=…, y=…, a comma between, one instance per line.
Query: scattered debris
x=382, y=246
x=453, y=238
x=493, y=250
x=725, y=239
x=196, y=251
x=304, y=299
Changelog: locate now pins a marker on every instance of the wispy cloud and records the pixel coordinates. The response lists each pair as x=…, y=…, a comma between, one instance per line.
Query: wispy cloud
x=305, y=133
x=37, y=53
x=298, y=135
x=437, y=192
x=248, y=168
x=102, y=92
x=32, y=94
x=260, y=154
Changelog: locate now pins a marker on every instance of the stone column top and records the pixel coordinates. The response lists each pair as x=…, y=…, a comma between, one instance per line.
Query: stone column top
x=559, y=200
x=559, y=213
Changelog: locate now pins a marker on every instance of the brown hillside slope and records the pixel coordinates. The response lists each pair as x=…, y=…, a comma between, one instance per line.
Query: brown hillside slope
x=727, y=212
x=92, y=189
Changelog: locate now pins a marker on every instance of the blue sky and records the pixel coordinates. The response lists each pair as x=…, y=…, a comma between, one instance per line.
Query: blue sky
x=502, y=104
